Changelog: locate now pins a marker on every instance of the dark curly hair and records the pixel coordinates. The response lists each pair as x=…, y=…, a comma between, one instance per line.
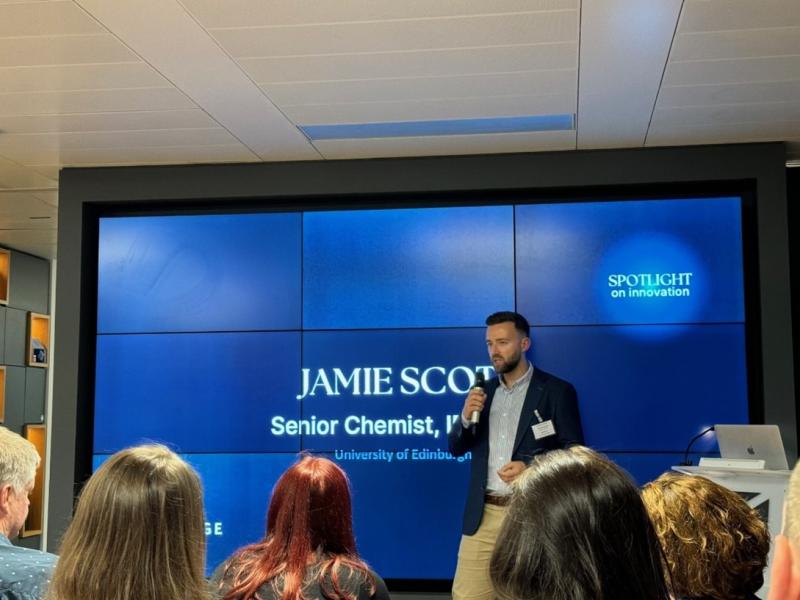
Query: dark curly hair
x=715, y=544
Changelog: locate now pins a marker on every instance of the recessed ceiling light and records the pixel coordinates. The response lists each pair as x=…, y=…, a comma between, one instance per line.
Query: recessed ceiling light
x=397, y=129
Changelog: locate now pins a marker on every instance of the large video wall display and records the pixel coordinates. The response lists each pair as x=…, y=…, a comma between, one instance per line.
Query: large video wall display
x=241, y=340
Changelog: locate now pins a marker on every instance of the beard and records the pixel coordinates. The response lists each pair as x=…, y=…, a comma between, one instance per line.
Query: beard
x=504, y=366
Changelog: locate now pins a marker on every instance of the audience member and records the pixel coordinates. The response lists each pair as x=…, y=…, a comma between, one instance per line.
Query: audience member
x=308, y=551
x=715, y=545
x=784, y=581
x=576, y=529
x=24, y=573
x=138, y=532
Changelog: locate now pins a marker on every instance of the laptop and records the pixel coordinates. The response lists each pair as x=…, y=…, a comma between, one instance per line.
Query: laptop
x=753, y=442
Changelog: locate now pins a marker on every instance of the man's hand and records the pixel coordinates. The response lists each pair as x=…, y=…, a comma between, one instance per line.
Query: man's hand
x=510, y=471
x=475, y=401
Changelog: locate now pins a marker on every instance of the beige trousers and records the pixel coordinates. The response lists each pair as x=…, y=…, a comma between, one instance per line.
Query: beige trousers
x=471, y=581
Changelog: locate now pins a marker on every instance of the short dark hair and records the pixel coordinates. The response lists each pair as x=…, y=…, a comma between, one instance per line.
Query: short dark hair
x=576, y=529
x=507, y=316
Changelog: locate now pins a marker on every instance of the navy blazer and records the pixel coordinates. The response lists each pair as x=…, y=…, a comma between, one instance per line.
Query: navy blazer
x=554, y=398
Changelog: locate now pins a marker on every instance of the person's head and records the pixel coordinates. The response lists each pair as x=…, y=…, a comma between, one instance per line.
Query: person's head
x=310, y=509
x=715, y=545
x=309, y=521
x=785, y=574
x=576, y=529
x=138, y=532
x=18, y=463
x=507, y=339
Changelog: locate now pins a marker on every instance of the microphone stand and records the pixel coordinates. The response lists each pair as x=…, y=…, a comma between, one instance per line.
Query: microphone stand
x=686, y=462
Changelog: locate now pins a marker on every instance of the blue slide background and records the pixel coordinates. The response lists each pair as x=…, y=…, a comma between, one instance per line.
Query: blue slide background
x=206, y=322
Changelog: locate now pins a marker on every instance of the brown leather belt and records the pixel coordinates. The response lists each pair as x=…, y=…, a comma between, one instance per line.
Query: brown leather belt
x=497, y=500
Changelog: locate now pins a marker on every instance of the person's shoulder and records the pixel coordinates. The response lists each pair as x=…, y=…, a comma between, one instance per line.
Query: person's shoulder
x=31, y=558
x=380, y=593
x=25, y=573
x=8, y=594
x=29, y=553
x=550, y=380
x=361, y=582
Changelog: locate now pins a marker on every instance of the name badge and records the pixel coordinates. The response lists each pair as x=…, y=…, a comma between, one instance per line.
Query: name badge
x=543, y=429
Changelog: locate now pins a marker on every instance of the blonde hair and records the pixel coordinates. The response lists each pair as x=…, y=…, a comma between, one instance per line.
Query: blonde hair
x=138, y=532
x=18, y=460
x=715, y=544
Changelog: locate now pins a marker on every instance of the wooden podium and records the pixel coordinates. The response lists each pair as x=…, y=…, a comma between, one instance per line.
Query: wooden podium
x=762, y=489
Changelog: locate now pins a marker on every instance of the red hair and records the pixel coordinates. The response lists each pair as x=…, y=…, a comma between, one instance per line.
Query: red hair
x=309, y=522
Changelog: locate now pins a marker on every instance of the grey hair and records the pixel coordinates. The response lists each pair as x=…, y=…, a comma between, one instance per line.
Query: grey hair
x=791, y=507
x=18, y=460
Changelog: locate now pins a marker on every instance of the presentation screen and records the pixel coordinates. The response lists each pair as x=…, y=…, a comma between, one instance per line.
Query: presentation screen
x=241, y=340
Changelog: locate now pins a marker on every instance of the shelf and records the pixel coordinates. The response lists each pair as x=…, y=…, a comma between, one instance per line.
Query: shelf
x=38, y=340
x=5, y=271
x=2, y=394
x=37, y=434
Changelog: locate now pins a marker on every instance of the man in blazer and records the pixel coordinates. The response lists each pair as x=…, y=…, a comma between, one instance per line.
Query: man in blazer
x=522, y=412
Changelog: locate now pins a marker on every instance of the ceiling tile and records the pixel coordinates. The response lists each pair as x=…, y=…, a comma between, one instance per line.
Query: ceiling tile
x=79, y=77
x=50, y=198
x=750, y=43
x=113, y=121
x=420, y=110
x=178, y=47
x=417, y=34
x=720, y=15
x=39, y=242
x=725, y=114
x=45, y=18
x=14, y=176
x=247, y=13
x=624, y=46
x=156, y=155
x=48, y=171
x=42, y=148
x=452, y=87
x=669, y=134
x=747, y=70
x=424, y=63
x=35, y=221
x=63, y=50
x=690, y=95
x=16, y=205
x=91, y=101
x=447, y=145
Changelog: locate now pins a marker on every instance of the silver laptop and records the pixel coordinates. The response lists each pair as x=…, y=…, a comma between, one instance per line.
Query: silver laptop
x=754, y=442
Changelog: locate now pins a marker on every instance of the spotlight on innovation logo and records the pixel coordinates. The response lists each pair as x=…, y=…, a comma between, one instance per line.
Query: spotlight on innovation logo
x=651, y=278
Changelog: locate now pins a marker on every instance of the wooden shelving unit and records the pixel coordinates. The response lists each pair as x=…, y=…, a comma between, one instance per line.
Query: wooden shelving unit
x=37, y=434
x=5, y=272
x=38, y=340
